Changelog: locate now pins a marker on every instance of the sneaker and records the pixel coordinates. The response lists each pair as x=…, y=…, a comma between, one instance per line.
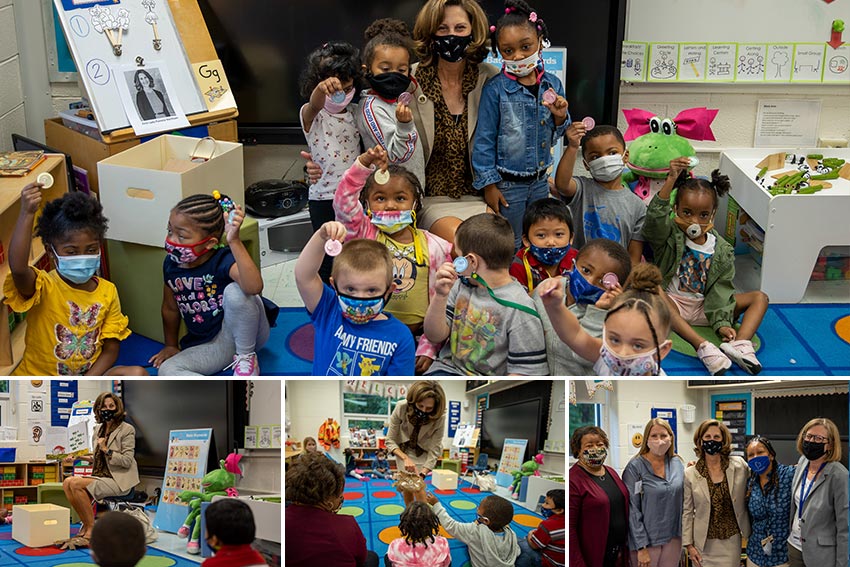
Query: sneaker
x=245, y=365
x=183, y=532
x=713, y=359
x=193, y=547
x=744, y=355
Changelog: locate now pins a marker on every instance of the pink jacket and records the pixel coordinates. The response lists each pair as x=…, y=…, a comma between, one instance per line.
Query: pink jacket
x=349, y=211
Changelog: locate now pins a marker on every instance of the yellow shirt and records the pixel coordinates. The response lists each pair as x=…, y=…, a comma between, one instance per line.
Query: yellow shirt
x=65, y=326
x=410, y=298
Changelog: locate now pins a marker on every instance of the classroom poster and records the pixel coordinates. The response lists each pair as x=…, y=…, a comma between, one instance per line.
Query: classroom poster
x=692, y=61
x=250, y=437
x=454, y=417
x=836, y=68
x=188, y=450
x=663, y=62
x=808, y=62
x=633, y=61
x=779, y=58
x=721, y=62
x=63, y=394
x=512, y=454
x=83, y=412
x=750, y=65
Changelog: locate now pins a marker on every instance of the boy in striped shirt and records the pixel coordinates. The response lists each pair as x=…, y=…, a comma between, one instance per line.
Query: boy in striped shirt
x=545, y=545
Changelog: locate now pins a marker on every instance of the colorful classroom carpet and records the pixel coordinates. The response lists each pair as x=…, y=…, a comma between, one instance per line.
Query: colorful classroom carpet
x=376, y=506
x=14, y=554
x=799, y=339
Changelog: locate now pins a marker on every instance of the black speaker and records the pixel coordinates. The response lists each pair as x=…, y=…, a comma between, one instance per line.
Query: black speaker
x=275, y=197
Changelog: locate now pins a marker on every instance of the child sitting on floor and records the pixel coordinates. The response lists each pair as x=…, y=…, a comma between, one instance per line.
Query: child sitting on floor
x=230, y=531
x=545, y=545
x=490, y=540
x=547, y=235
x=420, y=544
x=381, y=466
x=117, y=540
x=351, y=466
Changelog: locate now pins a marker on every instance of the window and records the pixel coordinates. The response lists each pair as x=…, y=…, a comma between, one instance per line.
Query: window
x=584, y=414
x=365, y=412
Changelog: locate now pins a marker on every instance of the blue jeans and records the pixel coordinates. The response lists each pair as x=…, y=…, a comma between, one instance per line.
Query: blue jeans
x=519, y=195
x=528, y=557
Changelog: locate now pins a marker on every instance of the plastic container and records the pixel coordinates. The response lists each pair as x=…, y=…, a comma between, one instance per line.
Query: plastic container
x=7, y=454
x=80, y=124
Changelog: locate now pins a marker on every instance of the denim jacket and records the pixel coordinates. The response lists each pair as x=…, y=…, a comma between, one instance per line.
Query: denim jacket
x=515, y=132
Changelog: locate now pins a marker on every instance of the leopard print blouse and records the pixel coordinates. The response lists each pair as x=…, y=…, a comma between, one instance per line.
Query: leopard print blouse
x=722, y=523
x=448, y=171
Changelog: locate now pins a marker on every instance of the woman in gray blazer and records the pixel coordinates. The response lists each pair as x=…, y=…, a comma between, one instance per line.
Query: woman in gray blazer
x=715, y=518
x=819, y=503
x=114, y=466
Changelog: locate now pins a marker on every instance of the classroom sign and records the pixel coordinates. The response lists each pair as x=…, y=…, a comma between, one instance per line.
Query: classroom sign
x=188, y=451
x=512, y=453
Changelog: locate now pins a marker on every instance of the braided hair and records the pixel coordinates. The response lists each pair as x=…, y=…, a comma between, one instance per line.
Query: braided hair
x=204, y=211
x=773, y=476
x=718, y=186
x=418, y=524
x=642, y=294
x=518, y=13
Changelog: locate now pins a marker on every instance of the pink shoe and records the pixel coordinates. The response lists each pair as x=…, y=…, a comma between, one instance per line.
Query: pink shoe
x=713, y=359
x=183, y=532
x=245, y=365
x=744, y=355
x=193, y=548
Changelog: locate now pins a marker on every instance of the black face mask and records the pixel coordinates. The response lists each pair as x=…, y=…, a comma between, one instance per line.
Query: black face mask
x=452, y=48
x=711, y=447
x=389, y=85
x=813, y=451
x=420, y=415
x=107, y=414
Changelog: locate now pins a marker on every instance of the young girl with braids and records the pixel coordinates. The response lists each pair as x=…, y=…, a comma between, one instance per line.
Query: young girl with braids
x=420, y=544
x=698, y=267
x=634, y=334
x=387, y=213
x=523, y=107
x=213, y=285
x=385, y=118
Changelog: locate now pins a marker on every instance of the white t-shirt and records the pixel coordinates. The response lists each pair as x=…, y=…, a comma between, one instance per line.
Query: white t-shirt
x=334, y=142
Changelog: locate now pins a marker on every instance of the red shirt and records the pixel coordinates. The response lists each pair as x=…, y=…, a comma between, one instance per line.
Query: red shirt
x=519, y=270
x=318, y=538
x=549, y=536
x=235, y=556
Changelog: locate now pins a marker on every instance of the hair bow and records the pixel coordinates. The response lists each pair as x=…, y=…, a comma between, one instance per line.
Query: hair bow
x=692, y=123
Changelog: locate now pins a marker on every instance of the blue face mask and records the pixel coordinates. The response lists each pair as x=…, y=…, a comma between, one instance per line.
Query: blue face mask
x=360, y=310
x=77, y=269
x=549, y=256
x=759, y=464
x=582, y=290
x=547, y=513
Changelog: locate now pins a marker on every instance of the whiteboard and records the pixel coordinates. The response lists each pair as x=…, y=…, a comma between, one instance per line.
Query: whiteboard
x=93, y=53
x=741, y=21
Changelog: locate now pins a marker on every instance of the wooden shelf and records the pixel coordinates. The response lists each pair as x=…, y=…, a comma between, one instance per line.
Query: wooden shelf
x=22, y=471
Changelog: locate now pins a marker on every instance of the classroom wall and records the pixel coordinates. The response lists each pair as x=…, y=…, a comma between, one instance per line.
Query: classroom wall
x=261, y=467
x=86, y=390
x=12, y=115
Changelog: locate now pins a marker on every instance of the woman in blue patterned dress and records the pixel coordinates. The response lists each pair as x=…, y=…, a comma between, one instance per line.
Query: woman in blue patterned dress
x=769, y=503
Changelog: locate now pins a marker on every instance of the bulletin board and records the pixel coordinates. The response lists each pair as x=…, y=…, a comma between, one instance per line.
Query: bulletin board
x=781, y=41
x=736, y=412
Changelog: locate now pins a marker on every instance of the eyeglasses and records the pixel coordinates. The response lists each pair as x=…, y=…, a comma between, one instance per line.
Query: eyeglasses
x=482, y=519
x=815, y=438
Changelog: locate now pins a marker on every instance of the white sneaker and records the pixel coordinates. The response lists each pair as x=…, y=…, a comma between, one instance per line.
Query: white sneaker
x=245, y=365
x=713, y=359
x=744, y=355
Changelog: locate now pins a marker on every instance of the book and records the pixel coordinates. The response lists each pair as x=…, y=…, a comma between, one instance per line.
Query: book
x=18, y=164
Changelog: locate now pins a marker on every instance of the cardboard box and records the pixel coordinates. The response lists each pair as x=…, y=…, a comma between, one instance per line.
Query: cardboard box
x=444, y=480
x=140, y=186
x=39, y=525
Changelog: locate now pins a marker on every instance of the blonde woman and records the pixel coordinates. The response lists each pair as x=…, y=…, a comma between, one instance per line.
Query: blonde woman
x=819, y=499
x=655, y=478
x=714, y=516
x=417, y=426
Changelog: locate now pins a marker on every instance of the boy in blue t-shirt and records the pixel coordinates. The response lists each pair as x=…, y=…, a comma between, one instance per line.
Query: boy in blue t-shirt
x=353, y=337
x=381, y=466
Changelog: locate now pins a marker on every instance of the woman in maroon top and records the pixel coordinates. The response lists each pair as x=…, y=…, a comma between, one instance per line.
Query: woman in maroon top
x=599, y=504
x=315, y=534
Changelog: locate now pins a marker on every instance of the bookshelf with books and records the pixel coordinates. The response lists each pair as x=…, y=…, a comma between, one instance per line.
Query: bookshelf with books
x=13, y=326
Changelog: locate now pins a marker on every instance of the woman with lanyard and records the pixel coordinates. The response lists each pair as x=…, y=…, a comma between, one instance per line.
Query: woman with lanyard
x=769, y=503
x=599, y=504
x=819, y=505
x=114, y=471
x=416, y=431
x=714, y=515
x=655, y=478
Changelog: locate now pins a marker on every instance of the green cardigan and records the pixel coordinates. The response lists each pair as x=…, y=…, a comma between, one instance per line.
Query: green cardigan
x=668, y=245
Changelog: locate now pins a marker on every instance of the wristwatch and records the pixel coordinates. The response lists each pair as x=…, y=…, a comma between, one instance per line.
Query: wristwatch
x=109, y=453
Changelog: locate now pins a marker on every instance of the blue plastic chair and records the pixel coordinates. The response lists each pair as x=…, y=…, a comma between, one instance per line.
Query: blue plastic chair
x=480, y=466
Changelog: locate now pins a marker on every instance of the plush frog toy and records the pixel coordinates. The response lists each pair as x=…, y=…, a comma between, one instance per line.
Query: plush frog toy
x=219, y=482
x=657, y=141
x=528, y=468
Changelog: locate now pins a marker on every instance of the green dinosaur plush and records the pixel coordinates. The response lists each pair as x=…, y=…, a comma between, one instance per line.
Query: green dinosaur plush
x=219, y=482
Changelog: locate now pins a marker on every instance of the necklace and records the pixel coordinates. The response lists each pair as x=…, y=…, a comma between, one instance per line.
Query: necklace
x=402, y=250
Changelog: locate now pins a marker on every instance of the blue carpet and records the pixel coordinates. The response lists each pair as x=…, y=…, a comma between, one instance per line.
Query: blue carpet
x=376, y=506
x=14, y=554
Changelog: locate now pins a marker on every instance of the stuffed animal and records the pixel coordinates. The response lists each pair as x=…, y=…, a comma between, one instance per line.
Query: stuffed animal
x=657, y=141
x=219, y=482
x=529, y=468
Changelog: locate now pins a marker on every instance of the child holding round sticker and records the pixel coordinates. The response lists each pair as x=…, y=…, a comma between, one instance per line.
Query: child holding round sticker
x=387, y=213
x=518, y=120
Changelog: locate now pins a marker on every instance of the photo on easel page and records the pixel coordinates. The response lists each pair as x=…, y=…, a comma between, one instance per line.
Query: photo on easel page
x=169, y=453
x=147, y=99
x=467, y=472
x=720, y=473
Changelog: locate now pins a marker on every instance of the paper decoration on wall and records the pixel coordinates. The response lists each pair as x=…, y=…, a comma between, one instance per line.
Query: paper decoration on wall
x=147, y=96
x=692, y=61
x=778, y=59
x=595, y=385
x=633, y=61
x=151, y=19
x=721, y=62
x=751, y=61
x=573, y=393
x=836, y=68
x=808, y=62
x=214, y=86
x=377, y=389
x=37, y=430
x=663, y=61
x=402, y=392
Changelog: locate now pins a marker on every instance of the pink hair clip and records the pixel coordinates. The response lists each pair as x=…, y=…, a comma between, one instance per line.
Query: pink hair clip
x=492, y=29
x=532, y=17
x=508, y=10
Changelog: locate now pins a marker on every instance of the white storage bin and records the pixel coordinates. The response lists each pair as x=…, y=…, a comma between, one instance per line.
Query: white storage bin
x=38, y=525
